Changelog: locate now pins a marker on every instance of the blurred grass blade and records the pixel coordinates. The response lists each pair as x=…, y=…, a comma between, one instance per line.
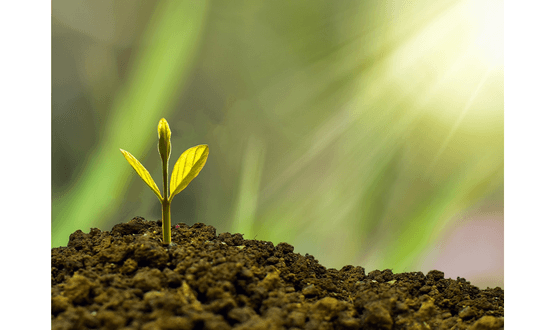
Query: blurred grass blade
x=142, y=172
x=187, y=168
x=249, y=187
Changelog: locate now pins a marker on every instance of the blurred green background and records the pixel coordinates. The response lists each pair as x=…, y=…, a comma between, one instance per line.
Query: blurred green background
x=362, y=132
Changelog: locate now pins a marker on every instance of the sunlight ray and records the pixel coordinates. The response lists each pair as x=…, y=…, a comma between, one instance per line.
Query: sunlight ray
x=459, y=119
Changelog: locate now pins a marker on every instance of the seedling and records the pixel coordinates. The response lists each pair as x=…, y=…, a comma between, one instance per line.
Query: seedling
x=186, y=169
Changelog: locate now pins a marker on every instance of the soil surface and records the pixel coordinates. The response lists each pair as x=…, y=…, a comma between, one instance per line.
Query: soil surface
x=128, y=279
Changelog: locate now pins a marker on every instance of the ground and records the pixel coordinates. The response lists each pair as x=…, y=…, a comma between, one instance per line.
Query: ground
x=127, y=278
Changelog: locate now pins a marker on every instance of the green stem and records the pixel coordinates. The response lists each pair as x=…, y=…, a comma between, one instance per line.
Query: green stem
x=166, y=235
x=166, y=223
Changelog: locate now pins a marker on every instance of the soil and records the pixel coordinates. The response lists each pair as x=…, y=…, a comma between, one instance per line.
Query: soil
x=129, y=279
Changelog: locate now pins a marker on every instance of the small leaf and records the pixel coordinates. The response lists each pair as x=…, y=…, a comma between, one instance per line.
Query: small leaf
x=164, y=140
x=142, y=172
x=187, y=168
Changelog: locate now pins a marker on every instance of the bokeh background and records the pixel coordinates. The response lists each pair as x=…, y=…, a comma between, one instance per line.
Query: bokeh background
x=367, y=133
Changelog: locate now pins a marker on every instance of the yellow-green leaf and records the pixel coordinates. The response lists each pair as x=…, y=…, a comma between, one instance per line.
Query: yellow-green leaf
x=164, y=140
x=142, y=172
x=187, y=168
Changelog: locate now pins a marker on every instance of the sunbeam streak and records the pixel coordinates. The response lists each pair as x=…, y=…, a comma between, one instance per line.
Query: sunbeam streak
x=458, y=121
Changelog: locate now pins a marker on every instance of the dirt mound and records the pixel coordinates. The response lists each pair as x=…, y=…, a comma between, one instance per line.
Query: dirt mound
x=128, y=279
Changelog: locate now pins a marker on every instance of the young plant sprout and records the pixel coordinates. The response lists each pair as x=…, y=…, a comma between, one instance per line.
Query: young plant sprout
x=186, y=169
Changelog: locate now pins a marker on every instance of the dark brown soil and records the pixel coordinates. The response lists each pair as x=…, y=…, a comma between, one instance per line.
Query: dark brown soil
x=128, y=279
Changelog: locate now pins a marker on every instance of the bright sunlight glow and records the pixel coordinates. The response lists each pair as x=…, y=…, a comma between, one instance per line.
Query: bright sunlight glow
x=439, y=61
x=488, y=18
